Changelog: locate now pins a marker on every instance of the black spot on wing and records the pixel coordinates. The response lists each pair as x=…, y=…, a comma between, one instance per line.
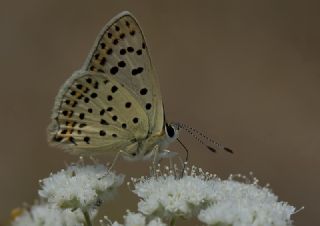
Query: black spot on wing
x=148, y=106
x=93, y=95
x=132, y=33
x=135, y=120
x=137, y=71
x=81, y=116
x=82, y=125
x=114, y=70
x=103, y=61
x=128, y=105
x=123, y=51
x=57, y=138
x=121, y=64
x=109, y=51
x=143, y=91
x=103, y=122
x=86, y=139
x=114, y=89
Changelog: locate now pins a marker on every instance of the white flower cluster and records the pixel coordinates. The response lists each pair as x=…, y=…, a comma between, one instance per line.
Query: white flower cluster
x=80, y=186
x=134, y=219
x=240, y=204
x=48, y=215
x=170, y=197
x=71, y=196
x=220, y=202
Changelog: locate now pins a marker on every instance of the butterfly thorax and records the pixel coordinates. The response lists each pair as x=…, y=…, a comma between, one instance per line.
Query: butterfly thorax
x=145, y=149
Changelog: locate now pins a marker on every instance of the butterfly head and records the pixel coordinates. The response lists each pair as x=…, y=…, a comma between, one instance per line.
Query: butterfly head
x=171, y=134
x=172, y=131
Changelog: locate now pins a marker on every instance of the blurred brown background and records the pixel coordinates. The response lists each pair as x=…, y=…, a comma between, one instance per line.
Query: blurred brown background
x=247, y=73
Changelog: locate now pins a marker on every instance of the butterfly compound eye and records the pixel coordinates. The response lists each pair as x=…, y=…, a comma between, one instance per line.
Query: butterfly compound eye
x=170, y=131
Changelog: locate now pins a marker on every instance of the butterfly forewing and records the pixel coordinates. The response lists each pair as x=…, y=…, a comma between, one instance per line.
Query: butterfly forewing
x=95, y=112
x=121, y=52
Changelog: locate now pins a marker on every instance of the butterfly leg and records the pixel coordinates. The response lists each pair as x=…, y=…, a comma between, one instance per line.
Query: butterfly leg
x=183, y=166
x=113, y=162
x=167, y=154
x=121, y=152
x=156, y=159
x=171, y=155
x=172, y=167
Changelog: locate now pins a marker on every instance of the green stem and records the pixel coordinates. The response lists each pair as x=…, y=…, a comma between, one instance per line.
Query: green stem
x=87, y=218
x=173, y=221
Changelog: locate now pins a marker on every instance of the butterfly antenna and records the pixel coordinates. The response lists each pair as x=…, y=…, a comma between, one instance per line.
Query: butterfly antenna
x=195, y=133
x=185, y=148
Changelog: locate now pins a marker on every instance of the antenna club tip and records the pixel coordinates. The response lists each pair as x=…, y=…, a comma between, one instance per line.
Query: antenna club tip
x=211, y=149
x=228, y=150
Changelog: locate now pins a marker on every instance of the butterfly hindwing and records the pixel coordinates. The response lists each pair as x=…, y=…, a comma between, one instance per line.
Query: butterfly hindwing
x=121, y=52
x=95, y=112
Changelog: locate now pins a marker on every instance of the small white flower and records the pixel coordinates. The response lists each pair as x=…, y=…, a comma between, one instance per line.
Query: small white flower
x=156, y=222
x=137, y=219
x=240, y=204
x=134, y=219
x=45, y=215
x=114, y=224
x=80, y=186
x=167, y=197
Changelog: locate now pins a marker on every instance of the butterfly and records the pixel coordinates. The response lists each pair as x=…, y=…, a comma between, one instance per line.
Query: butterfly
x=113, y=102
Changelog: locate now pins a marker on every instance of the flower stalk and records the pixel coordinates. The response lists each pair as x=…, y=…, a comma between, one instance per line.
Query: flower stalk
x=87, y=218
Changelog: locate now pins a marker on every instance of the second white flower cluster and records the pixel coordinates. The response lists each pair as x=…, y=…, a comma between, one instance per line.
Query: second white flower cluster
x=212, y=200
